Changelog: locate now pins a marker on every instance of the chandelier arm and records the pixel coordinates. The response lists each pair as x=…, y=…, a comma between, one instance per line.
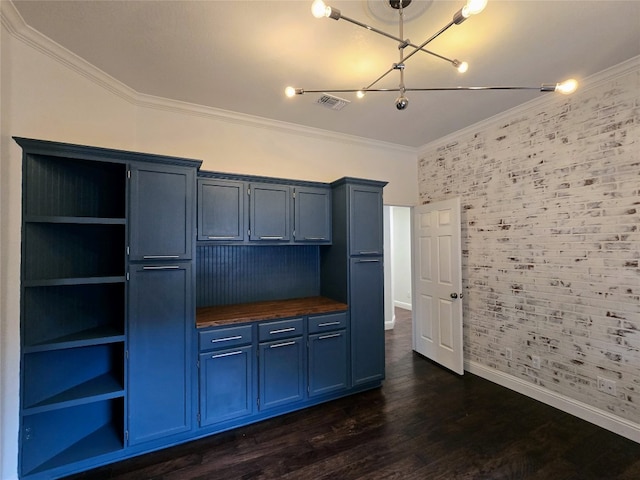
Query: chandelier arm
x=428, y=40
x=393, y=37
x=442, y=89
x=543, y=88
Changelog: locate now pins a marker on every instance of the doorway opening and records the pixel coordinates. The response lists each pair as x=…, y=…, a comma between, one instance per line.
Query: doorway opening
x=397, y=265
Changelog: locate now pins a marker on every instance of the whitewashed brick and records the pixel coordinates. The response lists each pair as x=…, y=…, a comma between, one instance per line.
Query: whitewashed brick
x=551, y=241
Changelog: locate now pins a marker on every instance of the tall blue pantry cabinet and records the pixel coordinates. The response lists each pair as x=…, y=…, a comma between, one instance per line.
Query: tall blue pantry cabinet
x=107, y=306
x=352, y=271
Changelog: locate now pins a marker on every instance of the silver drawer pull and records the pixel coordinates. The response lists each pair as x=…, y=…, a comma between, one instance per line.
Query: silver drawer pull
x=282, y=330
x=151, y=257
x=372, y=260
x=314, y=238
x=369, y=252
x=220, y=355
x=285, y=344
x=331, y=335
x=221, y=238
x=161, y=267
x=271, y=238
x=328, y=324
x=226, y=339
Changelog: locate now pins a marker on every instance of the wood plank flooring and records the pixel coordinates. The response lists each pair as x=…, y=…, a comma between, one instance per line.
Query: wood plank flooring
x=424, y=423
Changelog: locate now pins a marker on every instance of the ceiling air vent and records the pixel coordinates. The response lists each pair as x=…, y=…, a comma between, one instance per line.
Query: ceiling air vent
x=334, y=103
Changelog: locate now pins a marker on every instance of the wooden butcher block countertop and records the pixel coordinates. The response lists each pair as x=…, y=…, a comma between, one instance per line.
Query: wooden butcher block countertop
x=250, y=312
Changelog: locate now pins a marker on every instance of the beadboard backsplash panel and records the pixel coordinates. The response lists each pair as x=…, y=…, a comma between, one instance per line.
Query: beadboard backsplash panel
x=551, y=241
x=230, y=274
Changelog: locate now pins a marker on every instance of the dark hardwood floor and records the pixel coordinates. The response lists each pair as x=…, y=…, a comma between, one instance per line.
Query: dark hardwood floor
x=424, y=423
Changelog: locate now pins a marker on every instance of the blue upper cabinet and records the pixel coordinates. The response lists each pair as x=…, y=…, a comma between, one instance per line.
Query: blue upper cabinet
x=365, y=220
x=270, y=212
x=312, y=215
x=221, y=210
x=161, y=212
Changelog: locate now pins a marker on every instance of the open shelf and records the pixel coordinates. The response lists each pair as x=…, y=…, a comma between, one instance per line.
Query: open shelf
x=90, y=430
x=61, y=186
x=59, y=251
x=59, y=378
x=75, y=220
x=65, y=316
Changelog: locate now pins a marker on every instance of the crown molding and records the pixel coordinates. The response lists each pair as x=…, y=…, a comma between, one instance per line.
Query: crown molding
x=15, y=25
x=593, y=81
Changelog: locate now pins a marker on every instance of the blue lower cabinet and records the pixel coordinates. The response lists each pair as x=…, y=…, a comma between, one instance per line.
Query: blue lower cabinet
x=327, y=362
x=161, y=320
x=226, y=385
x=281, y=372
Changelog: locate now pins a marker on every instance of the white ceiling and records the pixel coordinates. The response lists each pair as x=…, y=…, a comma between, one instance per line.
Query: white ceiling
x=240, y=55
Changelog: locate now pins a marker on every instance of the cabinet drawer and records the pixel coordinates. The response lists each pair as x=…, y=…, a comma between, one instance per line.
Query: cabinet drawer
x=325, y=323
x=281, y=329
x=225, y=337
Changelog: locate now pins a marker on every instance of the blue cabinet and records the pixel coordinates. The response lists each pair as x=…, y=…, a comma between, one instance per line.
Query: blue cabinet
x=367, y=320
x=161, y=214
x=365, y=220
x=161, y=319
x=312, y=215
x=328, y=354
x=281, y=363
x=221, y=210
x=270, y=213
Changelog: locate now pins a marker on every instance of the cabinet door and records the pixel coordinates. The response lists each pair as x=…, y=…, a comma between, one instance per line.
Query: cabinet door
x=281, y=372
x=161, y=212
x=312, y=215
x=365, y=220
x=270, y=212
x=226, y=384
x=327, y=362
x=367, y=320
x=161, y=318
x=221, y=210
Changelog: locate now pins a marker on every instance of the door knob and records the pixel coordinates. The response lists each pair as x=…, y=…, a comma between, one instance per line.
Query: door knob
x=453, y=295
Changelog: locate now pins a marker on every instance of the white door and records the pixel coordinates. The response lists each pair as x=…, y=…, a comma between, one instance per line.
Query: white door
x=437, y=283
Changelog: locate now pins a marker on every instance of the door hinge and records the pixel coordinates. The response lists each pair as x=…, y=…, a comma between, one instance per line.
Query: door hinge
x=258, y=402
x=126, y=354
x=248, y=191
x=294, y=194
x=199, y=420
x=198, y=363
x=127, y=276
x=126, y=435
x=128, y=173
x=128, y=250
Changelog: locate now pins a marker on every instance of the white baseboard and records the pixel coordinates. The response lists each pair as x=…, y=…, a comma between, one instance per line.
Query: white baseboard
x=606, y=420
x=403, y=305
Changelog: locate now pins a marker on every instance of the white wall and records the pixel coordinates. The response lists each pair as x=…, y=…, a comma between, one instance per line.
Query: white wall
x=48, y=93
x=401, y=275
x=550, y=197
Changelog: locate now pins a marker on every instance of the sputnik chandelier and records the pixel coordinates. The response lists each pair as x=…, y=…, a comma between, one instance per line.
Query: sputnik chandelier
x=319, y=10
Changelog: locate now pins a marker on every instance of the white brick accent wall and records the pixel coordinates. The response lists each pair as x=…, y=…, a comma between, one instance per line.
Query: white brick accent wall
x=551, y=240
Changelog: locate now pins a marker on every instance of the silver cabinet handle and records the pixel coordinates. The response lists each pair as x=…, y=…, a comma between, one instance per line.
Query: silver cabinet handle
x=151, y=257
x=282, y=330
x=285, y=344
x=220, y=355
x=161, y=267
x=226, y=339
x=331, y=335
x=328, y=324
x=369, y=252
x=221, y=238
x=315, y=238
x=271, y=238
x=371, y=260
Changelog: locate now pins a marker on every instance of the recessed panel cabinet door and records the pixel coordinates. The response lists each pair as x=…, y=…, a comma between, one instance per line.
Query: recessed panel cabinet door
x=365, y=220
x=270, y=217
x=161, y=212
x=281, y=372
x=312, y=215
x=221, y=210
x=367, y=320
x=327, y=362
x=160, y=322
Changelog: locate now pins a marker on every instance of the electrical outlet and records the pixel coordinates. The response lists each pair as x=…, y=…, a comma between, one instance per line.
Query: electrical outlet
x=535, y=362
x=508, y=353
x=607, y=386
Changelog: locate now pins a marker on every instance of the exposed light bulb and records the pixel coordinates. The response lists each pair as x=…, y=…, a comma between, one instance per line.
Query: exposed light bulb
x=290, y=92
x=319, y=9
x=567, y=87
x=473, y=7
x=360, y=94
x=462, y=67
